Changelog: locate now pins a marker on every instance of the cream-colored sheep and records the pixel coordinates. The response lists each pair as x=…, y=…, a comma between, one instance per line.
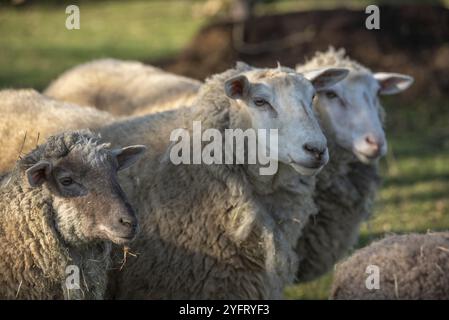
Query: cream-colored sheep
x=223, y=231
x=28, y=117
x=123, y=87
x=407, y=267
x=352, y=117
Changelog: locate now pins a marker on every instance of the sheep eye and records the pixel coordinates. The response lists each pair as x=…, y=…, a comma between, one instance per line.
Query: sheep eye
x=260, y=102
x=331, y=95
x=66, y=181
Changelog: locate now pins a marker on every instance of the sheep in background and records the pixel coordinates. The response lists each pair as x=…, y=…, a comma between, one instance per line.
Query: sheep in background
x=352, y=120
x=123, y=87
x=27, y=117
x=224, y=231
x=412, y=266
x=61, y=206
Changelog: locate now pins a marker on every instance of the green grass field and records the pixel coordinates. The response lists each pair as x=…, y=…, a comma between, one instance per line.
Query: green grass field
x=35, y=47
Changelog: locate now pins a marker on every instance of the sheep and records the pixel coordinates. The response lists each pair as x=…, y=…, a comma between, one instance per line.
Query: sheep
x=407, y=267
x=28, y=116
x=123, y=87
x=352, y=120
x=60, y=208
x=223, y=231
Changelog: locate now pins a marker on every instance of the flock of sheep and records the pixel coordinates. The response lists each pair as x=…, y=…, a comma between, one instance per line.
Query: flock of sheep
x=204, y=231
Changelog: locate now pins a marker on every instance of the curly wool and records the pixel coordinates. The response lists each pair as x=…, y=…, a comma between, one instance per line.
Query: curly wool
x=34, y=255
x=412, y=266
x=59, y=146
x=208, y=231
x=345, y=194
x=29, y=117
x=123, y=87
x=332, y=58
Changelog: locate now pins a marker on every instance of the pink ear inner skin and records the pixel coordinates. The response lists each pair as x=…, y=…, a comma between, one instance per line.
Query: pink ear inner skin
x=237, y=88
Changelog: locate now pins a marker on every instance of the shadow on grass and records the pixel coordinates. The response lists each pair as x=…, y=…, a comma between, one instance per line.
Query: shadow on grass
x=420, y=146
x=403, y=181
x=416, y=197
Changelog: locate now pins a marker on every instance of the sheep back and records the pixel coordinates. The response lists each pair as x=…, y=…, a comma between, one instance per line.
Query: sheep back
x=123, y=87
x=29, y=117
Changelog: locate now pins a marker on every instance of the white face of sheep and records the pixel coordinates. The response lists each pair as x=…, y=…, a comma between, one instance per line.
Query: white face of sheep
x=282, y=99
x=352, y=115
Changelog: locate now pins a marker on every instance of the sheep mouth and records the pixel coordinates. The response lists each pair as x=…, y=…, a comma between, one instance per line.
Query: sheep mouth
x=118, y=238
x=121, y=239
x=313, y=165
x=306, y=169
x=367, y=158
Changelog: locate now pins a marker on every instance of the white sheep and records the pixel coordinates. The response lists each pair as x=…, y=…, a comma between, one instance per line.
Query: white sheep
x=28, y=117
x=352, y=119
x=224, y=231
x=60, y=208
x=406, y=267
x=123, y=87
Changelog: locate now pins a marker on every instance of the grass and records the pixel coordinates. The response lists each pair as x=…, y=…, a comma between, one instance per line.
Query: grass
x=36, y=47
x=290, y=5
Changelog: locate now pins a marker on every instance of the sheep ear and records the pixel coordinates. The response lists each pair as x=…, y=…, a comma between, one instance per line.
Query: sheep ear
x=393, y=83
x=242, y=66
x=325, y=77
x=39, y=173
x=237, y=87
x=128, y=156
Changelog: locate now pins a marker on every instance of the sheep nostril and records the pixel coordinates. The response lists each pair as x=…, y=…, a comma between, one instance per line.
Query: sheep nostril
x=371, y=140
x=126, y=222
x=316, y=152
x=309, y=148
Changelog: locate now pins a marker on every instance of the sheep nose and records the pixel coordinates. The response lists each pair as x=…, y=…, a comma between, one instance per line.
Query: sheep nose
x=128, y=221
x=316, y=151
x=373, y=142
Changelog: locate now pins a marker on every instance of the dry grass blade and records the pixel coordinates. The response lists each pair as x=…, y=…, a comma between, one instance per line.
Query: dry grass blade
x=18, y=289
x=396, y=288
x=22, y=146
x=443, y=249
x=37, y=140
x=126, y=252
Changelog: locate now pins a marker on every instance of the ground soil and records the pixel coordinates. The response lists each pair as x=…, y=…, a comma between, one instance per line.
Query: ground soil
x=412, y=40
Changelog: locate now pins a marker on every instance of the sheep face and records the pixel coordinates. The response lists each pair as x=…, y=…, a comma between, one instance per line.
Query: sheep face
x=351, y=113
x=282, y=99
x=88, y=201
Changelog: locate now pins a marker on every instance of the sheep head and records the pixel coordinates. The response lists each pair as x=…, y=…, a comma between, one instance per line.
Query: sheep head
x=281, y=99
x=81, y=176
x=350, y=111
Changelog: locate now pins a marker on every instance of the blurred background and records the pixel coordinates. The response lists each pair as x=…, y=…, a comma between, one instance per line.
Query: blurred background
x=199, y=37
